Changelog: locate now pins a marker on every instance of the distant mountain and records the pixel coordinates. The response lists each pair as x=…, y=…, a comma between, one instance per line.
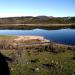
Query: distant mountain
x=37, y=19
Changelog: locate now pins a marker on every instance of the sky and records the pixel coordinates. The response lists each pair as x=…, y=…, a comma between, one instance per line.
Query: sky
x=56, y=8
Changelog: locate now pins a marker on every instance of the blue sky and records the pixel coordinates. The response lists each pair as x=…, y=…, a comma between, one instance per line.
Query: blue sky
x=37, y=7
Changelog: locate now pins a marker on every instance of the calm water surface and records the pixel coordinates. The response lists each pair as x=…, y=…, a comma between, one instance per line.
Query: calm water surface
x=65, y=36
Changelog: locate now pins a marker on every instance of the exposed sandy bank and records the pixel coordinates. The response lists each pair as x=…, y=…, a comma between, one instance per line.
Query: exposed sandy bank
x=37, y=38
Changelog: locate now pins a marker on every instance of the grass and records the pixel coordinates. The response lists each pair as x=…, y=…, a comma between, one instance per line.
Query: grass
x=63, y=64
x=7, y=36
x=44, y=62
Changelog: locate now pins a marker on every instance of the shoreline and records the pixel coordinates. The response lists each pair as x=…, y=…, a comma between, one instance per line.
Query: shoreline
x=33, y=42
x=32, y=26
x=37, y=24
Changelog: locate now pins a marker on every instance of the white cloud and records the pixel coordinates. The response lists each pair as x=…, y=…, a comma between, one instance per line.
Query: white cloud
x=9, y=14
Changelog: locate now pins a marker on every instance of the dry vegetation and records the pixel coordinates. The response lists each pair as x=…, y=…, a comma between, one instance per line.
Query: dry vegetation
x=32, y=42
x=41, y=59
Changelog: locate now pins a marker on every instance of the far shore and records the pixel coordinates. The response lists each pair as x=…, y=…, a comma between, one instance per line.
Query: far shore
x=32, y=26
x=36, y=24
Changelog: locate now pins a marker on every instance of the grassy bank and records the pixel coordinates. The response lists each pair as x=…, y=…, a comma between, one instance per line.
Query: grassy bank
x=7, y=36
x=50, y=59
x=32, y=62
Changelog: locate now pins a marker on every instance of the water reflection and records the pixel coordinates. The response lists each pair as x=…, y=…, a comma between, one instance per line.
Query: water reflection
x=66, y=36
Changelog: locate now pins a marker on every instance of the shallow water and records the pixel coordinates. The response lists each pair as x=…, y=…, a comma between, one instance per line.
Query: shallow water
x=65, y=36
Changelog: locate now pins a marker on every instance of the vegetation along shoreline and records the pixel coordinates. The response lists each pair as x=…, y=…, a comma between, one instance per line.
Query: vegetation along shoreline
x=38, y=21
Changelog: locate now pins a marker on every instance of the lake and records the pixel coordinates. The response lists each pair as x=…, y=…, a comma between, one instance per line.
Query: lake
x=64, y=36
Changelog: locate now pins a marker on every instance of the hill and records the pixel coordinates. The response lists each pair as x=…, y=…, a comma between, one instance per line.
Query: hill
x=37, y=20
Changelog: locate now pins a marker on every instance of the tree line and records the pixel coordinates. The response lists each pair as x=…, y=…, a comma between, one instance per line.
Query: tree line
x=38, y=19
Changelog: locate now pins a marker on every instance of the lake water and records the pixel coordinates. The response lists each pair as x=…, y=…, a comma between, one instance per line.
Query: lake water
x=65, y=36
